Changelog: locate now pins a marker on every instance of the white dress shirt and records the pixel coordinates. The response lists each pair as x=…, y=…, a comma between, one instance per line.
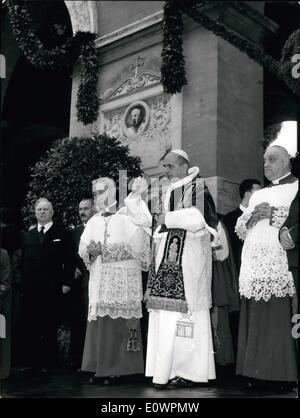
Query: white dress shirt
x=46, y=227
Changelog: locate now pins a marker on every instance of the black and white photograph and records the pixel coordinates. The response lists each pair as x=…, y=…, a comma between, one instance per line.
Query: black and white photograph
x=149, y=202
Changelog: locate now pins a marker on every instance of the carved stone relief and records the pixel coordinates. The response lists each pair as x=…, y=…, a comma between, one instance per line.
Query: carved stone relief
x=141, y=80
x=152, y=137
x=138, y=113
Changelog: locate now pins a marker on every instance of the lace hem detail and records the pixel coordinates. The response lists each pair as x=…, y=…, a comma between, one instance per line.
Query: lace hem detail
x=248, y=294
x=241, y=225
x=264, y=272
x=115, y=310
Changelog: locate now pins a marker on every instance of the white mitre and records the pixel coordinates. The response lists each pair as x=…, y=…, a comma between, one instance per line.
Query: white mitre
x=181, y=153
x=287, y=139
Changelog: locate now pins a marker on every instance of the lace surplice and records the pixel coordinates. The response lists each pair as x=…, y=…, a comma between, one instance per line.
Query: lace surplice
x=264, y=269
x=115, y=286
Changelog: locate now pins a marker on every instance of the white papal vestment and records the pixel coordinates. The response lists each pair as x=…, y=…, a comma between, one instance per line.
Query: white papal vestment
x=181, y=344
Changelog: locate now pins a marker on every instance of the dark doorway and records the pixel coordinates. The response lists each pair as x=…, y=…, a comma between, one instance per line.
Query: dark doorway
x=36, y=105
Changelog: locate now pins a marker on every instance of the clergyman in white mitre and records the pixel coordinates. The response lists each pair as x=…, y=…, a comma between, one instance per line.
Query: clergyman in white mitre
x=266, y=348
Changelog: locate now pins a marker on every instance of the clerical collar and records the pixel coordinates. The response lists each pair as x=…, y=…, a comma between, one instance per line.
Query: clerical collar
x=243, y=208
x=46, y=227
x=277, y=181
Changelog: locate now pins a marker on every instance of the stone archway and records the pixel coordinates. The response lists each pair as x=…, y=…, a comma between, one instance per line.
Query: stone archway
x=83, y=16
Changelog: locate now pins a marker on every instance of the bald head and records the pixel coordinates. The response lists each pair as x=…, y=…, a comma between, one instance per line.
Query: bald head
x=276, y=162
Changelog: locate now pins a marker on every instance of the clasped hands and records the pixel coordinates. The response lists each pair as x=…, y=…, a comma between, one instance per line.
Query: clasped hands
x=261, y=211
x=94, y=249
x=285, y=239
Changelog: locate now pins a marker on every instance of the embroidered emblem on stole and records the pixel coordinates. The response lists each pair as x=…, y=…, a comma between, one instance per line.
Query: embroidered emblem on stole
x=165, y=289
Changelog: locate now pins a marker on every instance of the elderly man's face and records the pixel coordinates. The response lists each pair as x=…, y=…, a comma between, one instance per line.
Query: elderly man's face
x=276, y=163
x=174, y=170
x=135, y=115
x=44, y=212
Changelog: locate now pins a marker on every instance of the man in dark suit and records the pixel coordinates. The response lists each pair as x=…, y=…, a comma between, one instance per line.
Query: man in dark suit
x=288, y=236
x=48, y=265
x=79, y=294
x=246, y=189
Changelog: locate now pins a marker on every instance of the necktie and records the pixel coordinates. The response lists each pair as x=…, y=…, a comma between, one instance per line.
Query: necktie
x=42, y=234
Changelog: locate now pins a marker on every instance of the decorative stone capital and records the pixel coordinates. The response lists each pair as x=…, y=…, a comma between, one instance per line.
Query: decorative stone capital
x=141, y=80
x=83, y=16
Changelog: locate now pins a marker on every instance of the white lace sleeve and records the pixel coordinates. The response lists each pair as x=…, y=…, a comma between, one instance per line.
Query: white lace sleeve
x=138, y=211
x=85, y=239
x=84, y=254
x=241, y=228
x=278, y=216
x=140, y=248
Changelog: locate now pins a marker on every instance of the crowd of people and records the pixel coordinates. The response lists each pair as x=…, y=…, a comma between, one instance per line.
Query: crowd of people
x=174, y=293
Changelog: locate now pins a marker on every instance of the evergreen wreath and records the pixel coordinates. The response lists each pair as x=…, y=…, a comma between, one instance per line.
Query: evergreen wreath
x=282, y=70
x=172, y=68
x=291, y=48
x=81, y=45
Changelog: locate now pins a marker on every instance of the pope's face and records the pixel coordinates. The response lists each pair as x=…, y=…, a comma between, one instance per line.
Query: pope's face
x=276, y=163
x=173, y=169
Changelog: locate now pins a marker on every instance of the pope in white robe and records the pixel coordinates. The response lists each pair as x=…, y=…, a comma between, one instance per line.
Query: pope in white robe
x=178, y=294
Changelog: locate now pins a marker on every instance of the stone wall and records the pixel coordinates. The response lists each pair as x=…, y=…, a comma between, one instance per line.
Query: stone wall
x=218, y=117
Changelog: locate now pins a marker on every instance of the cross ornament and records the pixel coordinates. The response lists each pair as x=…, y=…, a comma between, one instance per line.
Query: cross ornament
x=139, y=63
x=106, y=234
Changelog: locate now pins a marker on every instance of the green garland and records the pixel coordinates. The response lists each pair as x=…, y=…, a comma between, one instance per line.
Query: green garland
x=282, y=70
x=81, y=45
x=291, y=47
x=172, y=69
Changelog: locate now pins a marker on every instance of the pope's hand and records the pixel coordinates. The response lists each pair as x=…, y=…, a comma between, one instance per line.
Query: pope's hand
x=139, y=186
